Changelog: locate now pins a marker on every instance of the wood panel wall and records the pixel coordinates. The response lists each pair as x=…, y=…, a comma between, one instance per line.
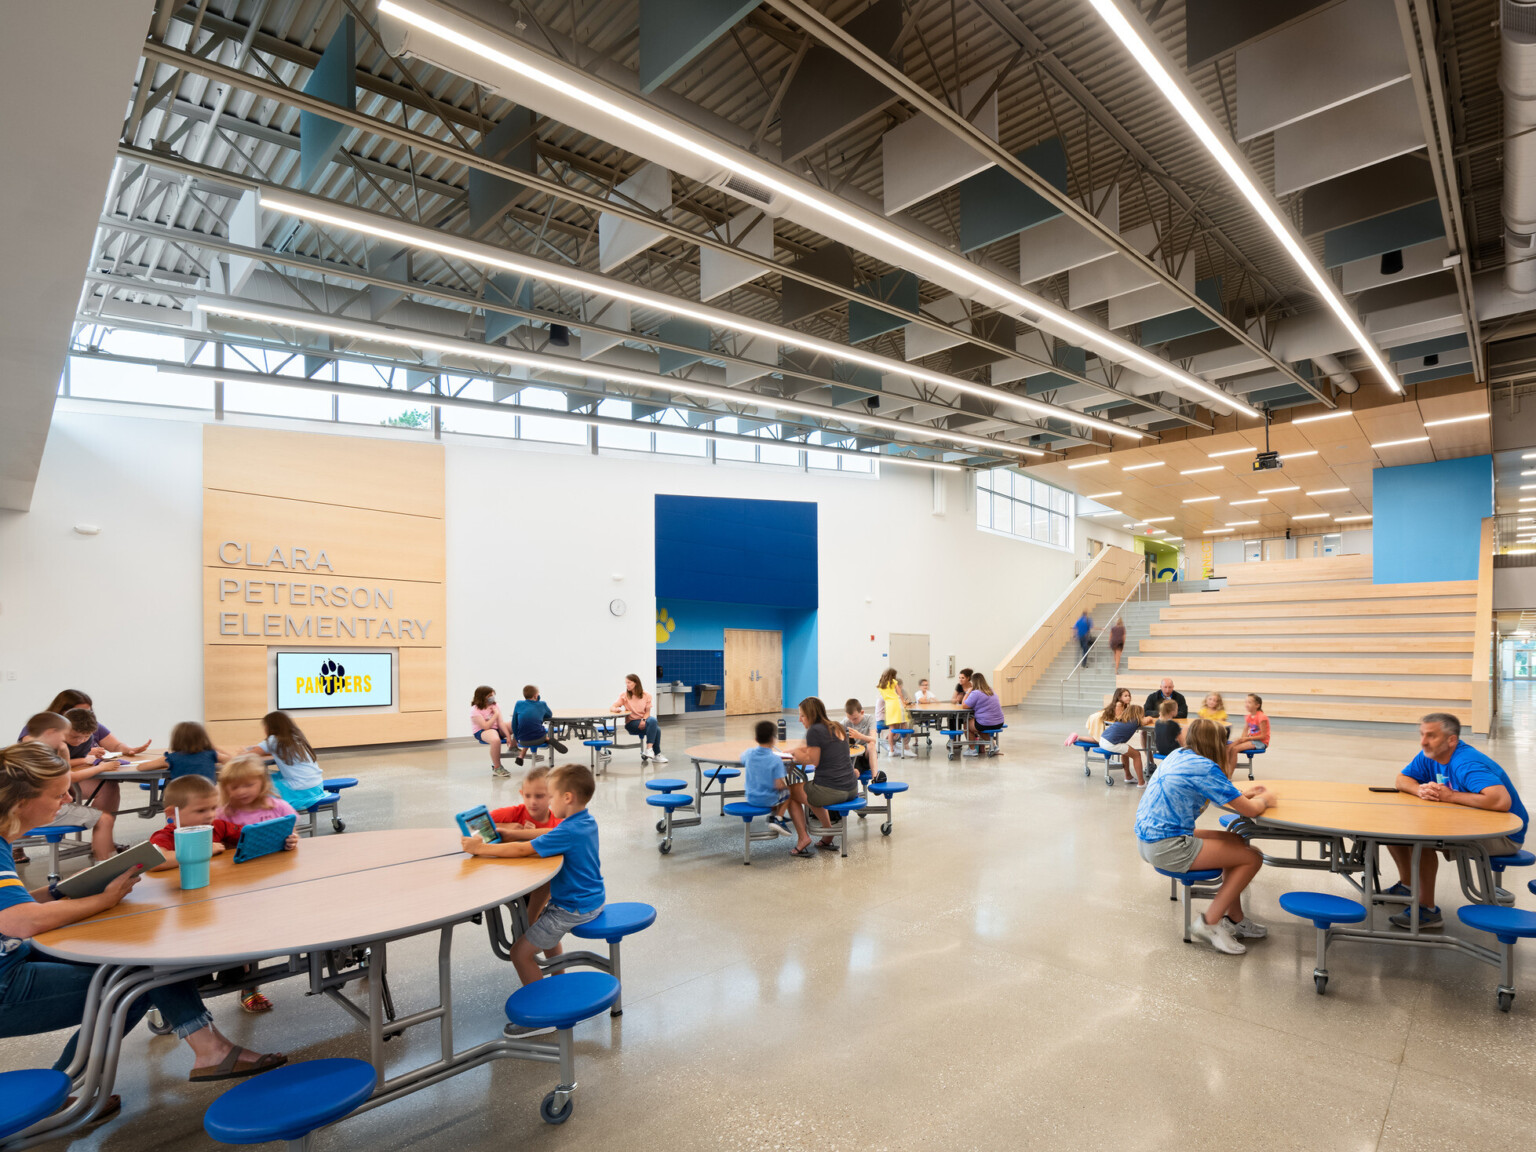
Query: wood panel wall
x=375, y=508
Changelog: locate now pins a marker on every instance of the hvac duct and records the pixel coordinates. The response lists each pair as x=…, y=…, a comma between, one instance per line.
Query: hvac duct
x=1338, y=375
x=1517, y=77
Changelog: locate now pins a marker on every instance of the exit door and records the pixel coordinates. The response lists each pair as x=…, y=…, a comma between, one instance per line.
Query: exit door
x=754, y=672
x=908, y=654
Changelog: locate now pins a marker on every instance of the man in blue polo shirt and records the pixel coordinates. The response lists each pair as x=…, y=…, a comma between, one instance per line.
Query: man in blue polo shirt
x=1450, y=772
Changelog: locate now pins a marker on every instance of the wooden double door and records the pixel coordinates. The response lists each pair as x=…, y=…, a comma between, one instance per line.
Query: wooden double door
x=754, y=671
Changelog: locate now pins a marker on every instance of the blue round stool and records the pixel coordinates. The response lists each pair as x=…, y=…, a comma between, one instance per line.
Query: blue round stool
x=669, y=803
x=612, y=924
x=561, y=1002
x=53, y=833
x=749, y=813
x=1324, y=910
x=1506, y=925
x=1189, y=880
x=339, y=783
x=600, y=754
x=840, y=829
x=290, y=1103
x=665, y=784
x=888, y=789
x=28, y=1095
x=719, y=775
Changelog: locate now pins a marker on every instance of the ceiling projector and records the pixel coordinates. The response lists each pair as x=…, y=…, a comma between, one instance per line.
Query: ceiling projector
x=1267, y=462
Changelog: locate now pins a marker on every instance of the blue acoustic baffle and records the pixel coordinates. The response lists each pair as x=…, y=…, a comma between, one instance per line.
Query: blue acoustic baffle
x=334, y=80
x=994, y=204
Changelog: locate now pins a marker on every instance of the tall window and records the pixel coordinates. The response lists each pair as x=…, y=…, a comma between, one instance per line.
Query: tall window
x=1018, y=505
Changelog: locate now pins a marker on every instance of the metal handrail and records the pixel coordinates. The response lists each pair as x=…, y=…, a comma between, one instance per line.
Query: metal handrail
x=1141, y=586
x=1044, y=645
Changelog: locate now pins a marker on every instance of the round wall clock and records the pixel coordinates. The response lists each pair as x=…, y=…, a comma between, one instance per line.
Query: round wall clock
x=617, y=607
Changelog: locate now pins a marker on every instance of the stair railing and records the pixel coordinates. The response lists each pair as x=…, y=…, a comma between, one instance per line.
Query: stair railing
x=1140, y=592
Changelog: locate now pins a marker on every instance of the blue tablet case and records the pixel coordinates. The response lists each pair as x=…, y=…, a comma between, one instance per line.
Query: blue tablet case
x=264, y=838
x=479, y=820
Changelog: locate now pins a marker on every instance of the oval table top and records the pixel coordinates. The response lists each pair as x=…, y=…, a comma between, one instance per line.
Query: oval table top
x=328, y=893
x=727, y=753
x=584, y=713
x=1353, y=810
x=939, y=708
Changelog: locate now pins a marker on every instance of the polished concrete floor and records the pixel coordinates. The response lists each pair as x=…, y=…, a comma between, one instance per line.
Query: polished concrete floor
x=1002, y=972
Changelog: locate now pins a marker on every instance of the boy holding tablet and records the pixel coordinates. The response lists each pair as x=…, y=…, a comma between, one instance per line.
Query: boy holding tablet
x=576, y=893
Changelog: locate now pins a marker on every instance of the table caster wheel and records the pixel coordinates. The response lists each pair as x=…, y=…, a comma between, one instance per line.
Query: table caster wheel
x=885, y=829
x=1320, y=983
x=1109, y=781
x=664, y=847
x=552, y=1115
x=338, y=826
x=661, y=826
x=1087, y=771
x=1506, y=999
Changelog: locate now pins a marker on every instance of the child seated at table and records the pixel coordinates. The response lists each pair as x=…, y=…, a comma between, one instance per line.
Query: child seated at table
x=246, y=795
x=529, y=716
x=299, y=780
x=1094, y=725
x=1214, y=708
x=765, y=778
x=532, y=817
x=1255, y=732
x=924, y=694
x=191, y=753
x=50, y=728
x=490, y=727
x=856, y=724
x=1166, y=733
x=1117, y=737
x=575, y=894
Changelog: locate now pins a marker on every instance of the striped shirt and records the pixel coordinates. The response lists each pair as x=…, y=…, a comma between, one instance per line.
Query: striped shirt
x=12, y=892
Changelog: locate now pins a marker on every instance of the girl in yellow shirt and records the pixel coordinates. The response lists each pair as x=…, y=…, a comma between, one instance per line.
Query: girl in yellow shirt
x=895, y=711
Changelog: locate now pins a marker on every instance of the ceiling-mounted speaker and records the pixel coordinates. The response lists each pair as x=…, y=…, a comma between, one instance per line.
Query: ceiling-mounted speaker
x=1392, y=262
x=559, y=335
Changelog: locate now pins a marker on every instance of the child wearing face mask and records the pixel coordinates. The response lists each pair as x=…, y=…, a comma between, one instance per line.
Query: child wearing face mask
x=490, y=727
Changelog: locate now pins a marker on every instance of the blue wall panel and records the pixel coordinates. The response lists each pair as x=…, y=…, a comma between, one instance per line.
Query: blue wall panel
x=736, y=551
x=1428, y=520
x=695, y=638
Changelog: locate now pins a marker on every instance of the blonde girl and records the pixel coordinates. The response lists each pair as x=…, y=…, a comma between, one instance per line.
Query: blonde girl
x=895, y=709
x=246, y=795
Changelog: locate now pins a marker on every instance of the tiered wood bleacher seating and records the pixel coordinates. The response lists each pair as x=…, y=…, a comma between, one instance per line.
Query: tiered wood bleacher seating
x=1317, y=640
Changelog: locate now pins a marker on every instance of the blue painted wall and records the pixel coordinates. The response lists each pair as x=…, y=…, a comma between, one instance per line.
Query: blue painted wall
x=1427, y=522
x=695, y=631
x=736, y=551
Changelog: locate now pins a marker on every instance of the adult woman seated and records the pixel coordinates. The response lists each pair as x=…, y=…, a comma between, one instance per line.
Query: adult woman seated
x=825, y=749
x=635, y=704
x=42, y=995
x=986, y=710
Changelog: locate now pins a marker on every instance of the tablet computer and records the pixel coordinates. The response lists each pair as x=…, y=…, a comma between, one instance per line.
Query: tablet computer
x=479, y=820
x=94, y=880
x=264, y=838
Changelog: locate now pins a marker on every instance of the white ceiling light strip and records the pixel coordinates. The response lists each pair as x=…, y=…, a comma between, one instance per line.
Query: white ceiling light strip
x=585, y=369
x=1142, y=47
x=476, y=253
x=776, y=180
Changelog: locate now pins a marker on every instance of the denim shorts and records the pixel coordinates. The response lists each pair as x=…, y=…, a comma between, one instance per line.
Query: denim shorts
x=554, y=922
x=480, y=735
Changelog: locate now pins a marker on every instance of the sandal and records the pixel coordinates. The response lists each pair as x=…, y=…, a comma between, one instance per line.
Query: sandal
x=254, y=1001
x=826, y=846
x=239, y=1062
x=805, y=853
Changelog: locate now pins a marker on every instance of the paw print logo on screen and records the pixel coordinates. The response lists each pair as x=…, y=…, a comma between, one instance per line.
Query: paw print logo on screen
x=664, y=626
x=331, y=673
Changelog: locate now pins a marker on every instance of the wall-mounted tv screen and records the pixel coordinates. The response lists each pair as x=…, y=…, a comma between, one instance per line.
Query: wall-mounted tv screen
x=335, y=679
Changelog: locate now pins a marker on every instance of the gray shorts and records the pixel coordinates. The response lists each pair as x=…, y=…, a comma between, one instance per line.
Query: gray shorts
x=553, y=923
x=73, y=813
x=819, y=795
x=1175, y=854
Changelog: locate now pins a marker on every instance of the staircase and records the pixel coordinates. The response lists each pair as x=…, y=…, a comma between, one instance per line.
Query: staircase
x=1094, y=682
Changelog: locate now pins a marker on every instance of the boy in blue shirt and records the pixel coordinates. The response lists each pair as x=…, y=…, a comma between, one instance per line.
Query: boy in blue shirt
x=576, y=892
x=763, y=769
x=529, y=716
x=1450, y=772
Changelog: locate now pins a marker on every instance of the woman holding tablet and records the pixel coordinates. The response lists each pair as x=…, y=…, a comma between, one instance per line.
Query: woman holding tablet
x=41, y=995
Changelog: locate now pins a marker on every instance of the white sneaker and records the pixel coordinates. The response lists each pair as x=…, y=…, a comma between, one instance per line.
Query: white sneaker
x=658, y=757
x=1218, y=936
x=910, y=753
x=1247, y=929
x=970, y=752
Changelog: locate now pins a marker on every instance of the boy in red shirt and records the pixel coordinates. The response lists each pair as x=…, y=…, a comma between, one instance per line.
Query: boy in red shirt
x=532, y=817
x=196, y=799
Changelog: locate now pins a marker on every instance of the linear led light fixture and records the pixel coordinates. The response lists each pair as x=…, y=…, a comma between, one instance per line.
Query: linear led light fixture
x=589, y=368
x=542, y=270
x=1327, y=491
x=1272, y=491
x=1456, y=420
x=1297, y=455
x=1187, y=104
x=1240, y=523
x=1400, y=443
x=1139, y=467
x=1255, y=500
x=1325, y=416
x=1528, y=456
x=1527, y=499
x=217, y=376
x=1311, y=516
x=774, y=179
x=1346, y=519
x=1086, y=464
x=1218, y=531
x=1201, y=499
x=1527, y=487
x=1198, y=471
x=1528, y=472
x=1101, y=495
x=1232, y=452
x=1156, y=519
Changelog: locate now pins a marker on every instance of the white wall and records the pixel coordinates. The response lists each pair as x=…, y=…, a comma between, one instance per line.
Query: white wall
x=535, y=539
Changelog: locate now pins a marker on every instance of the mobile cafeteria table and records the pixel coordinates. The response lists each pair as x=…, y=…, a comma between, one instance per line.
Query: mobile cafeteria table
x=589, y=724
x=128, y=773
x=1351, y=823
x=939, y=715
x=328, y=911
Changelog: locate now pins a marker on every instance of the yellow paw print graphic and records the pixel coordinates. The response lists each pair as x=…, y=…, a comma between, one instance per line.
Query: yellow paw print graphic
x=664, y=626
